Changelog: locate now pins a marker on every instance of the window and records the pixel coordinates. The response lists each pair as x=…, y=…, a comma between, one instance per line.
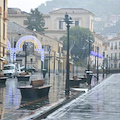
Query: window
x=119, y=45
x=115, y=45
x=46, y=48
x=4, y=5
x=115, y=65
x=111, y=46
x=25, y=22
x=115, y=55
x=111, y=56
x=3, y=51
x=111, y=65
x=60, y=25
x=4, y=30
x=119, y=56
x=76, y=23
x=31, y=60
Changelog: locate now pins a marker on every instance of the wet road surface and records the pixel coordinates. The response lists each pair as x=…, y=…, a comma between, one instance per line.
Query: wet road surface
x=100, y=103
x=13, y=108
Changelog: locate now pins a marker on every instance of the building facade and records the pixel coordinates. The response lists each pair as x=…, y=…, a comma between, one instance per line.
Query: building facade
x=3, y=31
x=114, y=52
x=98, y=43
x=54, y=23
x=18, y=16
x=56, y=27
x=52, y=48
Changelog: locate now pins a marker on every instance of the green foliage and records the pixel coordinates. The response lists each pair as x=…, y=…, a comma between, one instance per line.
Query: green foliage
x=79, y=45
x=36, y=21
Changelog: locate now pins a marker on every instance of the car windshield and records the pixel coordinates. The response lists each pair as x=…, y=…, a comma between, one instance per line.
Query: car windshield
x=8, y=68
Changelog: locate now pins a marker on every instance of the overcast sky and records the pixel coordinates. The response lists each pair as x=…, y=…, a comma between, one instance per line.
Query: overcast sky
x=25, y=5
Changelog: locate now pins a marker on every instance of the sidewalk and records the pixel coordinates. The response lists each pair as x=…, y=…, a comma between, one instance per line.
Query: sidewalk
x=100, y=103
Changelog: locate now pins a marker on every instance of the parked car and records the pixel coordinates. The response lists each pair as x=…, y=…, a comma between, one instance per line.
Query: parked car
x=10, y=70
x=28, y=68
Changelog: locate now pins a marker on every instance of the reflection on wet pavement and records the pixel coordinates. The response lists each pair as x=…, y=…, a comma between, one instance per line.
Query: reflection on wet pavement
x=101, y=103
x=11, y=105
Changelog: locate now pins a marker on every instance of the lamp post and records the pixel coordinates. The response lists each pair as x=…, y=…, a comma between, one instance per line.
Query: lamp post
x=97, y=64
x=103, y=63
x=109, y=65
x=73, y=68
x=68, y=21
x=89, y=40
x=25, y=49
x=49, y=60
x=63, y=62
x=106, y=65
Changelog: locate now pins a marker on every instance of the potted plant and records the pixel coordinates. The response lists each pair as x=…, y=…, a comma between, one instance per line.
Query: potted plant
x=25, y=76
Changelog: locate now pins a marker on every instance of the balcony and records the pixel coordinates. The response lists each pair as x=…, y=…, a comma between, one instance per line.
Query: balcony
x=0, y=10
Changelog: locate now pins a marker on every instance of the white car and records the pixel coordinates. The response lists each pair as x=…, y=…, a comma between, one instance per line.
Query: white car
x=10, y=70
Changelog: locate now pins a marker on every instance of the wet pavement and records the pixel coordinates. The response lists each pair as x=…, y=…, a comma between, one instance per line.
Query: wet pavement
x=12, y=107
x=100, y=103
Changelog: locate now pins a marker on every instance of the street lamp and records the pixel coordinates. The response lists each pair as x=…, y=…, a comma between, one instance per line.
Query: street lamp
x=63, y=62
x=89, y=52
x=103, y=63
x=49, y=60
x=106, y=65
x=25, y=49
x=97, y=64
x=109, y=65
x=68, y=21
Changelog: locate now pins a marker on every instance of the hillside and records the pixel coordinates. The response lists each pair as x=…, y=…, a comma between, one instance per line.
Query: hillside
x=102, y=9
x=98, y=7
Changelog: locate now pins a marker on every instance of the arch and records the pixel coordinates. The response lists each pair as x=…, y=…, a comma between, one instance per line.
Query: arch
x=32, y=39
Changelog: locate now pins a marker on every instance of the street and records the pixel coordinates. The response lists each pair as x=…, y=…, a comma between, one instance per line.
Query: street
x=14, y=107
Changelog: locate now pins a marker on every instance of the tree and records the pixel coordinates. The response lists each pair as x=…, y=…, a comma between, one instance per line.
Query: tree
x=78, y=39
x=36, y=21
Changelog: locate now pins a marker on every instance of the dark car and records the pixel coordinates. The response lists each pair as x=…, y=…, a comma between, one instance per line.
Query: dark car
x=29, y=69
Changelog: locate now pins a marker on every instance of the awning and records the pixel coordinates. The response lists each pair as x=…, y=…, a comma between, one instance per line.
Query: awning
x=2, y=59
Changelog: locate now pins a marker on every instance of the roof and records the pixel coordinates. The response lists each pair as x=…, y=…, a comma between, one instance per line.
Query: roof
x=115, y=38
x=16, y=12
x=71, y=11
x=17, y=29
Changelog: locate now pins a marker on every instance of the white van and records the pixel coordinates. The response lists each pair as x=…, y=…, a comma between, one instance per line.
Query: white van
x=10, y=70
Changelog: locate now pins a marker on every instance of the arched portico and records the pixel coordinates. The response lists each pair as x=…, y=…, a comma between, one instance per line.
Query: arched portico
x=20, y=43
x=32, y=39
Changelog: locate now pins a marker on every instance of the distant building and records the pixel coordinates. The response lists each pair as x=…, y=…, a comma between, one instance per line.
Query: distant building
x=114, y=52
x=98, y=43
x=56, y=27
x=3, y=31
x=18, y=33
x=18, y=16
